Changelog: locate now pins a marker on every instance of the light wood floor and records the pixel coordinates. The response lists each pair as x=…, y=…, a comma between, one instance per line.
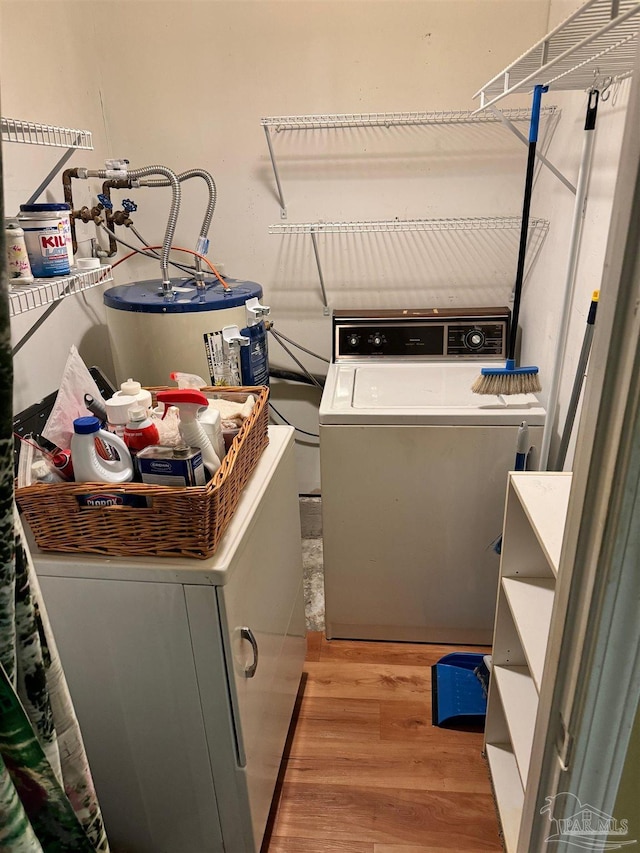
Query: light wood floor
x=365, y=770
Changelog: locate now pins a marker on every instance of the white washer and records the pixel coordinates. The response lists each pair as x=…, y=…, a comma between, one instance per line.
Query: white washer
x=414, y=474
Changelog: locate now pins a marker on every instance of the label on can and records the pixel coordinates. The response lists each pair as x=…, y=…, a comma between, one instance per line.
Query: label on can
x=18, y=266
x=161, y=466
x=223, y=361
x=254, y=359
x=46, y=243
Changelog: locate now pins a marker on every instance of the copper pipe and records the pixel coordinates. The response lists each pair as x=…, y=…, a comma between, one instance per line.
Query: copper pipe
x=118, y=184
x=68, y=197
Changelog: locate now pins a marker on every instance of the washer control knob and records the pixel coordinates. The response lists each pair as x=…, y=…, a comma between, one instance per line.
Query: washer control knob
x=474, y=339
x=353, y=339
x=376, y=340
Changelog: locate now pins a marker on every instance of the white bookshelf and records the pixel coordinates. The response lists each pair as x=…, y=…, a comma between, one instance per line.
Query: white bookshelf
x=507, y=789
x=535, y=514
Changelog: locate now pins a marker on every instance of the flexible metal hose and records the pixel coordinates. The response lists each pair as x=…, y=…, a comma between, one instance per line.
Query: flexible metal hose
x=203, y=242
x=172, y=181
x=211, y=185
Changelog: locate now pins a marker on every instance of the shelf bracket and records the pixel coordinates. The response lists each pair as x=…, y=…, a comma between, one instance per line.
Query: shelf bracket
x=511, y=126
x=314, y=241
x=283, y=206
x=34, y=328
x=61, y=162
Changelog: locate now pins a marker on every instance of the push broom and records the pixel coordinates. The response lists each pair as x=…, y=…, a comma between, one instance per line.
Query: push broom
x=511, y=379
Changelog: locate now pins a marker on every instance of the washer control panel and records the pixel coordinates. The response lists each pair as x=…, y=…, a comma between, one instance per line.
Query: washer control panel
x=421, y=334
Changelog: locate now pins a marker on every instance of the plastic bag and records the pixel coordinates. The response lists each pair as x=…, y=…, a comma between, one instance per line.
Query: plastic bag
x=168, y=426
x=34, y=465
x=70, y=403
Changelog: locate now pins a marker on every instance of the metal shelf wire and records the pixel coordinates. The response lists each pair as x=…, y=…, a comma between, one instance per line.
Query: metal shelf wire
x=276, y=124
x=596, y=45
x=32, y=133
x=346, y=120
x=399, y=225
x=537, y=232
x=27, y=297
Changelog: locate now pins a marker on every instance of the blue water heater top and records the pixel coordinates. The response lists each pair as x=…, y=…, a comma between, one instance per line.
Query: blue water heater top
x=147, y=297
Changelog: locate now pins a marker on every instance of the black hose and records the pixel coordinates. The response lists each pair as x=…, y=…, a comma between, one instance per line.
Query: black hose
x=292, y=376
x=288, y=423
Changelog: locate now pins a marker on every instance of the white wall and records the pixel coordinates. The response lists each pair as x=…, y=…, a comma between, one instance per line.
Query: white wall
x=248, y=60
x=186, y=83
x=544, y=294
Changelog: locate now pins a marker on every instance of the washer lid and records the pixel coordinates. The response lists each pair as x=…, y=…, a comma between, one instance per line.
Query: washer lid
x=426, y=393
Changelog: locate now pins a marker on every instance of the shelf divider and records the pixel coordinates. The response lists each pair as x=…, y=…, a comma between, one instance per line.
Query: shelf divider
x=508, y=791
x=545, y=498
x=531, y=604
x=520, y=702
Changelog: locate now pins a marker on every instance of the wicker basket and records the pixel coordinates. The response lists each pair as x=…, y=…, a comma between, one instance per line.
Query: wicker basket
x=180, y=521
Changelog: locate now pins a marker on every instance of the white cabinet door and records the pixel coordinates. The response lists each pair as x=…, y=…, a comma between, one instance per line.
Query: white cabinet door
x=126, y=651
x=262, y=615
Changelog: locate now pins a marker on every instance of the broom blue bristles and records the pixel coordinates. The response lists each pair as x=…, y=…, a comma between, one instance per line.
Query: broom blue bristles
x=507, y=380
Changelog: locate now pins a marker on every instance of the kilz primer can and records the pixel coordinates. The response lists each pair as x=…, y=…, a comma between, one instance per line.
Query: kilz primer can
x=47, y=235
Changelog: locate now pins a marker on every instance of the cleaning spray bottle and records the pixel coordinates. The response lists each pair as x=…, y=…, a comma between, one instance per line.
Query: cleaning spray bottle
x=189, y=402
x=210, y=417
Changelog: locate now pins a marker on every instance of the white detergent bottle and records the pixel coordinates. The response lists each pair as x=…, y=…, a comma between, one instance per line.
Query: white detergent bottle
x=88, y=466
x=189, y=402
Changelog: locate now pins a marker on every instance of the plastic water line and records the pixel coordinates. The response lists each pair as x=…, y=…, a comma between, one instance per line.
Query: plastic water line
x=135, y=175
x=202, y=246
x=579, y=210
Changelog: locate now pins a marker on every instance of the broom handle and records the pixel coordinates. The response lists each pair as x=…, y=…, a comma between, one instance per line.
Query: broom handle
x=572, y=408
x=524, y=228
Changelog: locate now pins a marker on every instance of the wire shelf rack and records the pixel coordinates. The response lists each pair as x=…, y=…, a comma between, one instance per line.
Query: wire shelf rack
x=510, y=118
x=32, y=133
x=509, y=226
x=596, y=45
x=27, y=297
x=346, y=120
x=400, y=225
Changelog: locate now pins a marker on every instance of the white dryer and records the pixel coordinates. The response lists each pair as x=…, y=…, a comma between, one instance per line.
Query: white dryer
x=414, y=474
